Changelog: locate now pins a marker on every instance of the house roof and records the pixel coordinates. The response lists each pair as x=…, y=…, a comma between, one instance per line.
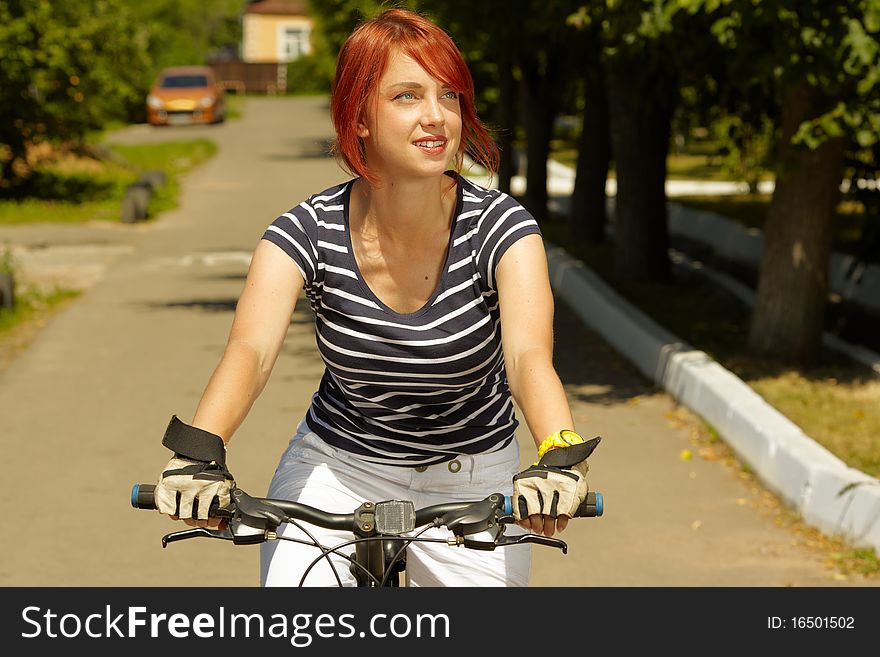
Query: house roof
x=278, y=7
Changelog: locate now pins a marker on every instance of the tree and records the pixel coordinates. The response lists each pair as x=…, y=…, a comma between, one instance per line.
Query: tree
x=67, y=68
x=489, y=37
x=183, y=33
x=649, y=51
x=819, y=64
x=335, y=20
x=544, y=58
x=588, y=217
x=528, y=42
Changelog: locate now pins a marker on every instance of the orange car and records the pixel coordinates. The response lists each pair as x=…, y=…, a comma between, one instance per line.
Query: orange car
x=183, y=95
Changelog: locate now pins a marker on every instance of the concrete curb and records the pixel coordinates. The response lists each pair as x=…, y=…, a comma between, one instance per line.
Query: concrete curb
x=836, y=499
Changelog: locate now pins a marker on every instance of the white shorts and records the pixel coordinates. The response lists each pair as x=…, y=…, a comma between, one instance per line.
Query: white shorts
x=314, y=473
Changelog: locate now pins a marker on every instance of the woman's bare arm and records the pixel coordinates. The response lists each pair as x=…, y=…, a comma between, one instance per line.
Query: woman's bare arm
x=262, y=318
x=527, y=338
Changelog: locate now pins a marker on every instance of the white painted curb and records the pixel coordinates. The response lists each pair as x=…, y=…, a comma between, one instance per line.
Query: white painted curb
x=829, y=495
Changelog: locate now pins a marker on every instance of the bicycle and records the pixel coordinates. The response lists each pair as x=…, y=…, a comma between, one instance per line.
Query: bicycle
x=380, y=528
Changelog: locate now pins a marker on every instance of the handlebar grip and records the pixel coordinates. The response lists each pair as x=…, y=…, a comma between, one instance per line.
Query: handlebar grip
x=142, y=496
x=592, y=506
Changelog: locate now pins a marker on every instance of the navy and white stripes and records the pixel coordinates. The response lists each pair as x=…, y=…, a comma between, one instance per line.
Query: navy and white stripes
x=416, y=388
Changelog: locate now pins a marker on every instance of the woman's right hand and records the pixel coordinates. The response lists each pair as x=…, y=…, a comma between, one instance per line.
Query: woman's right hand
x=187, y=487
x=194, y=476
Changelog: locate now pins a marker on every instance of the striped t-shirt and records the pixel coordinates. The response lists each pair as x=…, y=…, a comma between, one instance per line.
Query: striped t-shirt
x=416, y=388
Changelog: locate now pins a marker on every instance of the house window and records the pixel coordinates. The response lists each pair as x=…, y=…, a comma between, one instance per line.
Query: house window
x=294, y=43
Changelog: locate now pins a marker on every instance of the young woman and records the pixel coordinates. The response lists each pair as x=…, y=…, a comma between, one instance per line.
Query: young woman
x=412, y=272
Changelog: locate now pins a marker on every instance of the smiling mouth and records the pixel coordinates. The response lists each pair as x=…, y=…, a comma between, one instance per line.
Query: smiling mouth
x=431, y=146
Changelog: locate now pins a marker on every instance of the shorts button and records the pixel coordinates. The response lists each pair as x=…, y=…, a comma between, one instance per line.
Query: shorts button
x=421, y=468
x=454, y=465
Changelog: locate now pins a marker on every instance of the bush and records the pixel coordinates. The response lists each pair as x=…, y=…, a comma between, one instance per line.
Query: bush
x=310, y=74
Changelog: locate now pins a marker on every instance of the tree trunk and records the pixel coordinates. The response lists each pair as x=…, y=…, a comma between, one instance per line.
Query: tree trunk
x=505, y=112
x=588, y=217
x=540, y=90
x=788, y=317
x=641, y=117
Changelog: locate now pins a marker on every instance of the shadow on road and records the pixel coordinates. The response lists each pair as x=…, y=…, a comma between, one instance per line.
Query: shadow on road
x=222, y=277
x=211, y=305
x=591, y=370
x=303, y=149
x=301, y=316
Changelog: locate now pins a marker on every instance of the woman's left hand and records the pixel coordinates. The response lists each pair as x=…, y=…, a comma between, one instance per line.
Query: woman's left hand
x=541, y=524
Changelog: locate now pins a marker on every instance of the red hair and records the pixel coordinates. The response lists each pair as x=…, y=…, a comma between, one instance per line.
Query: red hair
x=364, y=58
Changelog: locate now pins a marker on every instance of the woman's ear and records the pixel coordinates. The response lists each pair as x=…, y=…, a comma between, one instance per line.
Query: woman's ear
x=362, y=131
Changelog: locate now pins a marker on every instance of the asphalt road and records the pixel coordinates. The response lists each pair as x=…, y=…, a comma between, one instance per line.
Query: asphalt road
x=85, y=406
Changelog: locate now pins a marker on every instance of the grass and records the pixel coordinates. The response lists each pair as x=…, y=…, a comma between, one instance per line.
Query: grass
x=74, y=189
x=234, y=106
x=77, y=189
x=841, y=415
x=174, y=158
x=19, y=324
x=30, y=306
x=835, y=402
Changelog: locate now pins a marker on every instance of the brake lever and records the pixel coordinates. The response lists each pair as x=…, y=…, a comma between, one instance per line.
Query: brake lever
x=505, y=540
x=223, y=534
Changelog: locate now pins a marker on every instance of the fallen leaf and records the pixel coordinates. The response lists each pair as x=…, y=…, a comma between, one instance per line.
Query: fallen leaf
x=707, y=454
x=686, y=455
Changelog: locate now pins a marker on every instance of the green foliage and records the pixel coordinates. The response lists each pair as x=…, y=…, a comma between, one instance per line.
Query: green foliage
x=7, y=263
x=496, y=36
x=174, y=158
x=32, y=305
x=310, y=74
x=773, y=45
x=71, y=68
x=68, y=68
x=88, y=190
x=745, y=147
x=335, y=20
x=186, y=32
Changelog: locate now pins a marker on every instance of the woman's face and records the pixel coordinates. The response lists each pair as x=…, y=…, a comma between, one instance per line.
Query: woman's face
x=412, y=124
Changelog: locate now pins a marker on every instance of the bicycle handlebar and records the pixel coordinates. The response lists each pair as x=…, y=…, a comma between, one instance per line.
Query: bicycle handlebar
x=142, y=497
x=252, y=520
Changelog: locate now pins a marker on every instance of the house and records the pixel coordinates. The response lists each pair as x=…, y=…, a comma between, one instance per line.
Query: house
x=274, y=33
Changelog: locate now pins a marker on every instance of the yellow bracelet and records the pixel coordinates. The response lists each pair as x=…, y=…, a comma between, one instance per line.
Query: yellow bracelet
x=564, y=438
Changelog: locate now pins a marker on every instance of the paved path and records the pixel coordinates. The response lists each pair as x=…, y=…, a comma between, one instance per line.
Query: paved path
x=84, y=407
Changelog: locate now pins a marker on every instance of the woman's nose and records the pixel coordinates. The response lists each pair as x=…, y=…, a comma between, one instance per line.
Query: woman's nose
x=433, y=113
